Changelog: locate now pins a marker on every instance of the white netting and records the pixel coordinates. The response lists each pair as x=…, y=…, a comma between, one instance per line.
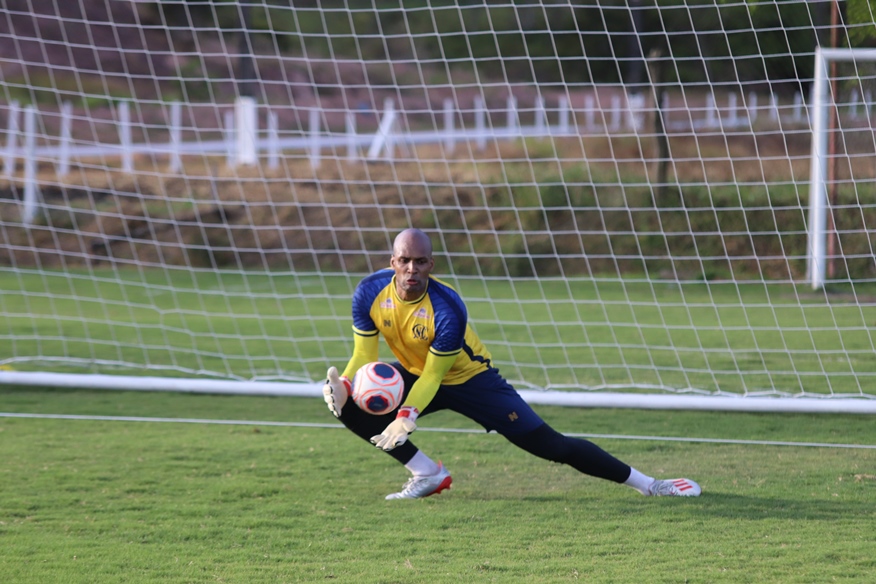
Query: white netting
x=620, y=191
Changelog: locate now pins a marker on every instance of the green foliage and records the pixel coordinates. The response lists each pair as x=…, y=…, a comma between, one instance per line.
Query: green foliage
x=193, y=83
x=860, y=30
x=571, y=43
x=115, y=501
x=43, y=89
x=182, y=14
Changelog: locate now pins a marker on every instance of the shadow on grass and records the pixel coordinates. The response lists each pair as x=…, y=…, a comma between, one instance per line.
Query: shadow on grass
x=710, y=505
x=735, y=506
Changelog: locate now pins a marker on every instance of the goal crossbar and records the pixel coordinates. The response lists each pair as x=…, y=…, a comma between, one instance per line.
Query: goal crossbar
x=596, y=399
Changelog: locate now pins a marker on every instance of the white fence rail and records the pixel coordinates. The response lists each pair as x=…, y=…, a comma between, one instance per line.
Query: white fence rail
x=242, y=140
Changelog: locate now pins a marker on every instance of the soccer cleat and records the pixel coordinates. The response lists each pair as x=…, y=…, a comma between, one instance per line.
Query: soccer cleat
x=419, y=487
x=675, y=488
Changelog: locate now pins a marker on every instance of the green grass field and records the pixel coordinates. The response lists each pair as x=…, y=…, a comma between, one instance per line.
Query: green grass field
x=123, y=493
x=87, y=500
x=728, y=336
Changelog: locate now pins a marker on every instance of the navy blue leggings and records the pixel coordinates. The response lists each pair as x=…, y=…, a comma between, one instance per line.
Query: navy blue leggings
x=492, y=402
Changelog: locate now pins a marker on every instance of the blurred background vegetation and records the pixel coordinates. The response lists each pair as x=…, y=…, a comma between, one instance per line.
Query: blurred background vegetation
x=549, y=42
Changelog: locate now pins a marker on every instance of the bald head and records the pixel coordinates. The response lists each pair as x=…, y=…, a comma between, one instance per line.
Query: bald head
x=412, y=238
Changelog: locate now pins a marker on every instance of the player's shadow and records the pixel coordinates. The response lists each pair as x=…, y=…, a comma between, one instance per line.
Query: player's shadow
x=716, y=504
x=753, y=508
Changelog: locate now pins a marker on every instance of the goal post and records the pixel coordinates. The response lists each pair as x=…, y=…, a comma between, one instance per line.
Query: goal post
x=819, y=207
x=190, y=194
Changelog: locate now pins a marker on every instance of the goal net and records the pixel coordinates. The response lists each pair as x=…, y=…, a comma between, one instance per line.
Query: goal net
x=190, y=192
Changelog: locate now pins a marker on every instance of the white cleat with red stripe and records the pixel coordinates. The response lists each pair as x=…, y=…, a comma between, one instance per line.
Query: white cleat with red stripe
x=419, y=487
x=675, y=488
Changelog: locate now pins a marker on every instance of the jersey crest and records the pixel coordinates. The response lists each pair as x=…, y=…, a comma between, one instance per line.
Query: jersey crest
x=419, y=332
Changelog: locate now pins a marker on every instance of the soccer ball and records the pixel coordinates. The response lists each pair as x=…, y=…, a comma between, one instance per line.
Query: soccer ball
x=378, y=388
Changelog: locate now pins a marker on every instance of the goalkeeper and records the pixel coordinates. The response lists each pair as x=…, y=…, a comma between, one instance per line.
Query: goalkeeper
x=445, y=366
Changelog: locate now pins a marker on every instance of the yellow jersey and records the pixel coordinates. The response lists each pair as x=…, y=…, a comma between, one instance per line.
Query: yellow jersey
x=436, y=323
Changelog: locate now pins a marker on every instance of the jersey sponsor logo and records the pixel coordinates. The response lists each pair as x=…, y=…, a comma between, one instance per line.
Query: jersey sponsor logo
x=387, y=323
x=388, y=304
x=422, y=313
x=419, y=332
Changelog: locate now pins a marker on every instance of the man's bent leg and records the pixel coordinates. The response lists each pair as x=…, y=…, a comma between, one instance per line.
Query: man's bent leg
x=365, y=425
x=429, y=477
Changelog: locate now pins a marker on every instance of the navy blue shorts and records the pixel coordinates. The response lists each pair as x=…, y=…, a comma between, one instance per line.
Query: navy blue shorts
x=487, y=398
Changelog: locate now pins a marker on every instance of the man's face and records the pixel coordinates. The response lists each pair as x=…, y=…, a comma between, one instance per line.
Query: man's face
x=412, y=262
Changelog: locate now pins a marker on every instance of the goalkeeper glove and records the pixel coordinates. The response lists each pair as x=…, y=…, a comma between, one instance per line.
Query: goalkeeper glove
x=398, y=431
x=336, y=391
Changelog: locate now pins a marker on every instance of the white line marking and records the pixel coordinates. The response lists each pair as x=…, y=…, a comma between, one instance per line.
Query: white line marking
x=421, y=429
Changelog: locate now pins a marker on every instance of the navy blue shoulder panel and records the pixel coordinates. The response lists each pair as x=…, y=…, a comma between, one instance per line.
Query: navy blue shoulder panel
x=451, y=317
x=364, y=296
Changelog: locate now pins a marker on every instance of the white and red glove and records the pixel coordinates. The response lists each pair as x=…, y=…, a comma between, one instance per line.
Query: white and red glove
x=398, y=431
x=336, y=391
